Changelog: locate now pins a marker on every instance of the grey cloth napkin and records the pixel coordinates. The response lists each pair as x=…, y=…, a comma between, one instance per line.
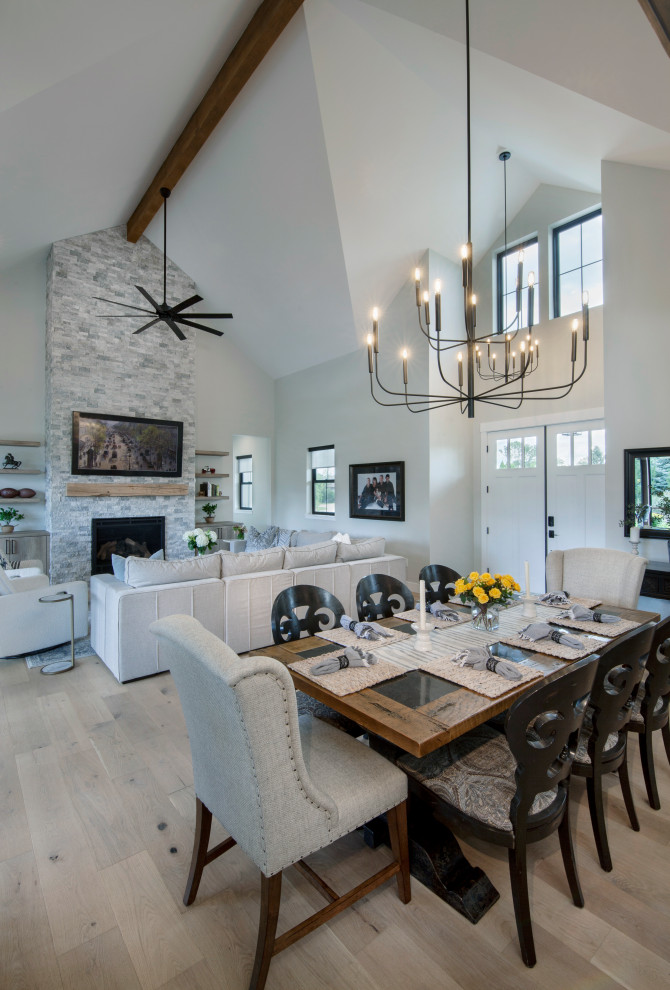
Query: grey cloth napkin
x=481, y=658
x=441, y=611
x=365, y=630
x=588, y=615
x=542, y=630
x=352, y=657
x=555, y=598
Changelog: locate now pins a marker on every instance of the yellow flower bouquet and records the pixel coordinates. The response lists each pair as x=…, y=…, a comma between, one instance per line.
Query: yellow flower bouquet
x=484, y=589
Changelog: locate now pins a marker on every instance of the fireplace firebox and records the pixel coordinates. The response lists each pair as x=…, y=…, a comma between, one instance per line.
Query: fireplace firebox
x=130, y=536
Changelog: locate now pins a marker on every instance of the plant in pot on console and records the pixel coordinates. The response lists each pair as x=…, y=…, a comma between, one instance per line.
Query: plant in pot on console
x=239, y=530
x=8, y=517
x=634, y=517
x=209, y=511
x=484, y=592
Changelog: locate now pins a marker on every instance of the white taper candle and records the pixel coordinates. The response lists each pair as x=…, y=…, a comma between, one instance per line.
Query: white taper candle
x=526, y=567
x=422, y=604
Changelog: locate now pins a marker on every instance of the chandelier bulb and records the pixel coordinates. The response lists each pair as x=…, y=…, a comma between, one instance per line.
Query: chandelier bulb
x=438, y=287
x=531, y=279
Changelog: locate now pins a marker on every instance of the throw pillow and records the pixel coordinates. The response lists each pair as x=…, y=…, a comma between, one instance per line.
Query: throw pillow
x=9, y=565
x=260, y=541
x=250, y=563
x=311, y=555
x=119, y=563
x=283, y=538
x=305, y=537
x=341, y=538
x=142, y=573
x=360, y=550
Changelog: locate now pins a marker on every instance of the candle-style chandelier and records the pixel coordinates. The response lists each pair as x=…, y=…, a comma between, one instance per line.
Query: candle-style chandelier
x=501, y=360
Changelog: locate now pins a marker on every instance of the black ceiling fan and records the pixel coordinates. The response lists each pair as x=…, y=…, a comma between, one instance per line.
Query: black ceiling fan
x=170, y=315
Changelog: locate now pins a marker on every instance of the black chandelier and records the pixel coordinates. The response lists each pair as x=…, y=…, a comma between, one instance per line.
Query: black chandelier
x=161, y=312
x=510, y=355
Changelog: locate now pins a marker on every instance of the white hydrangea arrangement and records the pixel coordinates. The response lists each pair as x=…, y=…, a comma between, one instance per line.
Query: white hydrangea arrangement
x=200, y=540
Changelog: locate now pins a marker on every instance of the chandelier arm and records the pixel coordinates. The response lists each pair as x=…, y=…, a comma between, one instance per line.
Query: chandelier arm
x=417, y=396
x=435, y=403
x=555, y=388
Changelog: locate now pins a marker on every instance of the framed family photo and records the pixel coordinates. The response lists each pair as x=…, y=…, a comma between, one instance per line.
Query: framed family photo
x=377, y=491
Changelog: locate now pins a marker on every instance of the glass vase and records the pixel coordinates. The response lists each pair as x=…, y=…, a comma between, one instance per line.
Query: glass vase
x=485, y=618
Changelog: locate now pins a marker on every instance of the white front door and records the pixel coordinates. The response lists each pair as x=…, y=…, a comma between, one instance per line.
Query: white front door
x=575, y=459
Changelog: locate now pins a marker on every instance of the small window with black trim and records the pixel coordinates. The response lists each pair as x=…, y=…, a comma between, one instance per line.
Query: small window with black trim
x=245, y=482
x=578, y=263
x=322, y=480
x=517, y=269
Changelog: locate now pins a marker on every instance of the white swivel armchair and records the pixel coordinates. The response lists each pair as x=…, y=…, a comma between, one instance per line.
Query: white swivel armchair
x=282, y=786
x=611, y=576
x=26, y=624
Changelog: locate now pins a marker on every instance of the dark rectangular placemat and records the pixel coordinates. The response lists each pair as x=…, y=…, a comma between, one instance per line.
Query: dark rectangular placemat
x=317, y=651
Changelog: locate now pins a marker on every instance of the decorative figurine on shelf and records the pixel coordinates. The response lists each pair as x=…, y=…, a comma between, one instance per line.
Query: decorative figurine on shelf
x=10, y=463
x=209, y=510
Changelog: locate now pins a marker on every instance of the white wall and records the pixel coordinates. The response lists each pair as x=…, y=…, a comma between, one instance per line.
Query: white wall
x=636, y=208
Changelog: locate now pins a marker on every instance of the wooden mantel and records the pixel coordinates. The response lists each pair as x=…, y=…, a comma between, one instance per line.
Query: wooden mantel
x=79, y=489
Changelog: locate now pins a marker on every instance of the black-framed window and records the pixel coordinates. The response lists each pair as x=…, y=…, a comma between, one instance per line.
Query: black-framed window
x=245, y=481
x=578, y=263
x=322, y=479
x=507, y=272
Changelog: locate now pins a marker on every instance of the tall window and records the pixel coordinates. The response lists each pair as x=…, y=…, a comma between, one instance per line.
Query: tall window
x=578, y=263
x=245, y=482
x=508, y=267
x=322, y=480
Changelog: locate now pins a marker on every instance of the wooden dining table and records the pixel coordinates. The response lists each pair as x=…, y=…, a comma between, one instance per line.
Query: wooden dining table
x=417, y=712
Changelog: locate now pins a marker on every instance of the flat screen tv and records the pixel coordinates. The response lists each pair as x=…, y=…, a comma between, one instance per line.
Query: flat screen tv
x=103, y=443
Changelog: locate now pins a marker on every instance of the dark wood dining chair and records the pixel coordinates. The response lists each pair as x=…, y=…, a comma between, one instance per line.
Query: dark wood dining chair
x=512, y=788
x=379, y=596
x=440, y=581
x=319, y=610
x=650, y=711
x=603, y=742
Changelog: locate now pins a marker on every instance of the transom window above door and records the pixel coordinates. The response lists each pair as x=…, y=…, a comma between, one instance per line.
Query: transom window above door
x=516, y=453
x=580, y=448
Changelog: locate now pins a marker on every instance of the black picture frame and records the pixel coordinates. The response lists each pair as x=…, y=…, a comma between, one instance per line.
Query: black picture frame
x=387, y=504
x=104, y=443
x=629, y=483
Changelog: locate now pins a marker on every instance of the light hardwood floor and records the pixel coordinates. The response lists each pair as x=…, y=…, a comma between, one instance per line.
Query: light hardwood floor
x=96, y=820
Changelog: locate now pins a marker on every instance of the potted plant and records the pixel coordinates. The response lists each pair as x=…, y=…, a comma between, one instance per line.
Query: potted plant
x=634, y=517
x=239, y=530
x=8, y=517
x=209, y=510
x=484, y=592
x=200, y=540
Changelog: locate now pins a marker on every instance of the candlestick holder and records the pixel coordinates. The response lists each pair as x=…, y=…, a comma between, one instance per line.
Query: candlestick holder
x=422, y=642
x=635, y=544
x=529, y=608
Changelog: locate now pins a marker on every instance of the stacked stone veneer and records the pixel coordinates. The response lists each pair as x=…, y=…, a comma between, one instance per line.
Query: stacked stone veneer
x=99, y=365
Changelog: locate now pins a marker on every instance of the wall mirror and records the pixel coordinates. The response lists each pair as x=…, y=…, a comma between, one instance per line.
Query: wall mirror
x=647, y=488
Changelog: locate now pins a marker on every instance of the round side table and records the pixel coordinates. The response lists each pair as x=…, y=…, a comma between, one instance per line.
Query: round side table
x=60, y=666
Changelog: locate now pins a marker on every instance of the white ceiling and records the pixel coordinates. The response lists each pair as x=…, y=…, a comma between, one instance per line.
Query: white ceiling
x=344, y=157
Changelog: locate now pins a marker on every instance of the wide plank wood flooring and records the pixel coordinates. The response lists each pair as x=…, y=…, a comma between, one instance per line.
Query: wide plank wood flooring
x=96, y=819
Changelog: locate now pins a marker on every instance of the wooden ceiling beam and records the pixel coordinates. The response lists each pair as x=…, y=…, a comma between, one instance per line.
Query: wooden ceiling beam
x=258, y=37
x=658, y=12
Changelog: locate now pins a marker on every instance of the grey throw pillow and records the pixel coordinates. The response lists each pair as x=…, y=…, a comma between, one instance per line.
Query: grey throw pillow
x=119, y=563
x=260, y=541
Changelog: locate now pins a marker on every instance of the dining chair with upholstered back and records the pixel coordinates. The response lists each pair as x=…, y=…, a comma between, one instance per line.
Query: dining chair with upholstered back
x=603, y=742
x=319, y=610
x=609, y=576
x=511, y=788
x=650, y=711
x=379, y=596
x=283, y=787
x=440, y=581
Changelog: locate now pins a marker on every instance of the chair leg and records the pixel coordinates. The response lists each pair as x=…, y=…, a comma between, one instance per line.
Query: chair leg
x=568, y=854
x=203, y=826
x=627, y=792
x=267, y=929
x=594, y=790
x=397, y=824
x=665, y=732
x=648, y=771
x=518, y=875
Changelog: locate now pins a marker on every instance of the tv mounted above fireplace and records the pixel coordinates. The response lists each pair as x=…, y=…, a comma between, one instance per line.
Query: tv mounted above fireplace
x=103, y=443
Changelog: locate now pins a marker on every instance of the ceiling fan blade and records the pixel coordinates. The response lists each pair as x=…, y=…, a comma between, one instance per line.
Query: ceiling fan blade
x=114, y=302
x=211, y=316
x=146, y=325
x=199, y=326
x=187, y=302
x=147, y=297
x=175, y=329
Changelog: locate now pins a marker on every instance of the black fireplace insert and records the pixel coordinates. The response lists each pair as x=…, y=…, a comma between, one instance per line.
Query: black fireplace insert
x=129, y=536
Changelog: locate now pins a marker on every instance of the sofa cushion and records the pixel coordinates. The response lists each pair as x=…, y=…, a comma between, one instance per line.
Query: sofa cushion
x=310, y=555
x=305, y=537
x=283, y=537
x=5, y=584
x=249, y=563
x=119, y=563
x=261, y=541
x=360, y=549
x=142, y=572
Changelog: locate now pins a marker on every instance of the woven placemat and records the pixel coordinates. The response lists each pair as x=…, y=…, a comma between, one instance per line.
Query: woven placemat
x=553, y=649
x=350, y=679
x=609, y=629
x=413, y=615
x=347, y=637
x=573, y=600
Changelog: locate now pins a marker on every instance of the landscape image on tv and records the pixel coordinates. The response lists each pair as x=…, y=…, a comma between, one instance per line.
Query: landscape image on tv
x=124, y=445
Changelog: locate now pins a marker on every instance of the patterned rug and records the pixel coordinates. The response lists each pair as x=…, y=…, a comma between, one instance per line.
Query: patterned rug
x=82, y=648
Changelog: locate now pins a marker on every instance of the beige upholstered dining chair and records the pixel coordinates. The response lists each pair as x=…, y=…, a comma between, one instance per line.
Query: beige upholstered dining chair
x=611, y=576
x=283, y=787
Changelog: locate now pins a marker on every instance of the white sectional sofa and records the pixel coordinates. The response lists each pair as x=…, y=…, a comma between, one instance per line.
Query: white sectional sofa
x=230, y=594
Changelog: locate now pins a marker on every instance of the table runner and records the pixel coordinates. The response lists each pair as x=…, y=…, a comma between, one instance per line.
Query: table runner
x=349, y=679
x=413, y=615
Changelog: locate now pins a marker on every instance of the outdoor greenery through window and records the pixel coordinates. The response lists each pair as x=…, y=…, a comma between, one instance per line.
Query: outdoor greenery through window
x=245, y=482
x=516, y=453
x=578, y=263
x=508, y=262
x=322, y=480
x=580, y=448
x=652, y=490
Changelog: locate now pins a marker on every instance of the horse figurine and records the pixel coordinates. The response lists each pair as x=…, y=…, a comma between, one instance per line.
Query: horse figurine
x=10, y=462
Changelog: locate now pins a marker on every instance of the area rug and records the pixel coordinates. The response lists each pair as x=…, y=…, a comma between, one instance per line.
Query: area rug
x=82, y=648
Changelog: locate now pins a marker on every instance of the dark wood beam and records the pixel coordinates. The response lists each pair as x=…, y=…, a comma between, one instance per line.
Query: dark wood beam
x=256, y=41
x=658, y=12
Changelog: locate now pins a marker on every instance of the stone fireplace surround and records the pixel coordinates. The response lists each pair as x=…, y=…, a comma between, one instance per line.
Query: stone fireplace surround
x=99, y=365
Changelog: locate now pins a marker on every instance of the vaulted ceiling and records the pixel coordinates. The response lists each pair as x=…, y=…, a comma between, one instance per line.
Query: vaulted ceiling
x=341, y=161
